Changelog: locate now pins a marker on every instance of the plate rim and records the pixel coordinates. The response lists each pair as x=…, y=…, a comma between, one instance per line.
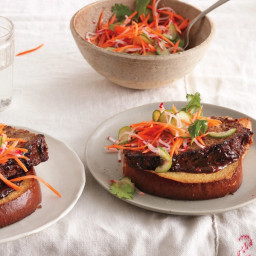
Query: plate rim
x=67, y=209
x=149, y=208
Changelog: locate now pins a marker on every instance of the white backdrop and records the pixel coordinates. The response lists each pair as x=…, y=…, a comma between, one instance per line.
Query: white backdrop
x=57, y=92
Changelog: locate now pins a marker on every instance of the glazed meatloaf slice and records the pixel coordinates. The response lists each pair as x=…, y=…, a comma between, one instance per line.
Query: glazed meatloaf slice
x=37, y=152
x=218, y=152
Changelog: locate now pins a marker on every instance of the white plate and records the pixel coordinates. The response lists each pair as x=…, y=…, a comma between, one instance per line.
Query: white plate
x=65, y=172
x=104, y=165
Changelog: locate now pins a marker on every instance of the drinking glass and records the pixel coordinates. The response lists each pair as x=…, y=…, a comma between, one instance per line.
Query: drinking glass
x=6, y=62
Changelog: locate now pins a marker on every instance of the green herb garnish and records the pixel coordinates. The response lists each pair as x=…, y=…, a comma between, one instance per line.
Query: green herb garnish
x=123, y=188
x=197, y=127
x=141, y=7
x=194, y=102
x=121, y=10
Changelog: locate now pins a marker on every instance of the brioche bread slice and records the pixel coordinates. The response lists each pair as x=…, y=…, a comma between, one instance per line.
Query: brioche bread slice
x=189, y=186
x=21, y=203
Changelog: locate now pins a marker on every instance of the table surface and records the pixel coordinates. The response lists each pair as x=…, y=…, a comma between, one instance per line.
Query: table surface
x=57, y=92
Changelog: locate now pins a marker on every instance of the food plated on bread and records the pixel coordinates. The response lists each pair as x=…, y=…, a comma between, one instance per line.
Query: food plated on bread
x=182, y=154
x=20, y=193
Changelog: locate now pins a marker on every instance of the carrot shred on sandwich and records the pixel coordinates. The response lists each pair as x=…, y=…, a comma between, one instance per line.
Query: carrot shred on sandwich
x=10, y=149
x=40, y=179
x=174, y=135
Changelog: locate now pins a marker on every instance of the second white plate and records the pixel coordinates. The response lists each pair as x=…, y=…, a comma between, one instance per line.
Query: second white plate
x=65, y=172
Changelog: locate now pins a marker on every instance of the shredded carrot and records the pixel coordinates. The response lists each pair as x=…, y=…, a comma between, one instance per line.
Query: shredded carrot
x=40, y=179
x=132, y=15
x=100, y=20
x=21, y=164
x=112, y=19
x=200, y=140
x=31, y=50
x=177, y=143
x=9, y=183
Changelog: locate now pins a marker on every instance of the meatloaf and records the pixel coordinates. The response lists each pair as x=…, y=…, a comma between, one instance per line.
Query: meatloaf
x=37, y=153
x=218, y=152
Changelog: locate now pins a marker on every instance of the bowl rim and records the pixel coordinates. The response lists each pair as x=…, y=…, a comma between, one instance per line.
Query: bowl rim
x=141, y=57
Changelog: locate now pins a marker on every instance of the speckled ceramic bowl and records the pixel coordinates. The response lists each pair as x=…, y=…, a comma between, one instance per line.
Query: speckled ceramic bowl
x=140, y=72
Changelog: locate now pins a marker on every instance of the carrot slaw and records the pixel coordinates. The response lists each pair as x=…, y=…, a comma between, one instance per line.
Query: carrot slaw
x=158, y=30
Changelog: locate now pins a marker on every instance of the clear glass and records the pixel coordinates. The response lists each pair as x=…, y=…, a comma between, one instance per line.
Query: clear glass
x=6, y=62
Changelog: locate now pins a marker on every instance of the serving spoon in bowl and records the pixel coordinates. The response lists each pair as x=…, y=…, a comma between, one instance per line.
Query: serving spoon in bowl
x=200, y=16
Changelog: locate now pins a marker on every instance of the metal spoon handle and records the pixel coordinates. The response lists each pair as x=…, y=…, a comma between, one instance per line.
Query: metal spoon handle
x=202, y=14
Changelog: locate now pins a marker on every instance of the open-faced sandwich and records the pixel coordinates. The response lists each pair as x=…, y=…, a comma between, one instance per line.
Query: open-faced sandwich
x=182, y=154
x=20, y=194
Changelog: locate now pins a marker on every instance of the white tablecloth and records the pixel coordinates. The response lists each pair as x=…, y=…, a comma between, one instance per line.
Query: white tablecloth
x=57, y=92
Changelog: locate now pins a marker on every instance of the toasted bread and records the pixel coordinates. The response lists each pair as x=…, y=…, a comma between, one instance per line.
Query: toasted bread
x=190, y=186
x=21, y=203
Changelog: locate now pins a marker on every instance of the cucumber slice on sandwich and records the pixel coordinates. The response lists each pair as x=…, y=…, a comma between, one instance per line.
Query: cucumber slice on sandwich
x=222, y=134
x=164, y=116
x=123, y=135
x=185, y=116
x=166, y=161
x=156, y=115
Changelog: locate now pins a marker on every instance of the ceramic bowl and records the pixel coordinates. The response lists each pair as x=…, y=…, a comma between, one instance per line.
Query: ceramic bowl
x=140, y=72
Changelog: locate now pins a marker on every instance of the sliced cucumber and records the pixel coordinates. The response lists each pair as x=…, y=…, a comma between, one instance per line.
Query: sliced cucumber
x=184, y=116
x=145, y=38
x=110, y=48
x=222, y=134
x=150, y=53
x=165, y=159
x=162, y=50
x=156, y=115
x=164, y=116
x=181, y=43
x=172, y=32
x=122, y=136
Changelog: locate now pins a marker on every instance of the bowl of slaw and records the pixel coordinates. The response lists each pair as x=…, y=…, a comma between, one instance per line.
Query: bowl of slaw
x=135, y=64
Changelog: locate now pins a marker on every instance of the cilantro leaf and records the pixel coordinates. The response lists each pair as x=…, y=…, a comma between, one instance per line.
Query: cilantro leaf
x=141, y=7
x=123, y=188
x=121, y=10
x=194, y=102
x=195, y=128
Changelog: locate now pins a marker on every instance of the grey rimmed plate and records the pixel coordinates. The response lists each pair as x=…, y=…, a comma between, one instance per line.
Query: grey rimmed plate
x=104, y=165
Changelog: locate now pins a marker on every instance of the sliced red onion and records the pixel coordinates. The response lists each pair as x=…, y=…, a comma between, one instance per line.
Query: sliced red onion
x=133, y=49
x=198, y=144
x=163, y=28
x=153, y=149
x=127, y=20
x=161, y=107
x=132, y=134
x=178, y=49
x=157, y=2
x=119, y=155
x=185, y=143
x=160, y=45
x=166, y=144
x=146, y=32
x=15, y=154
x=119, y=42
x=113, y=150
x=112, y=139
x=166, y=9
